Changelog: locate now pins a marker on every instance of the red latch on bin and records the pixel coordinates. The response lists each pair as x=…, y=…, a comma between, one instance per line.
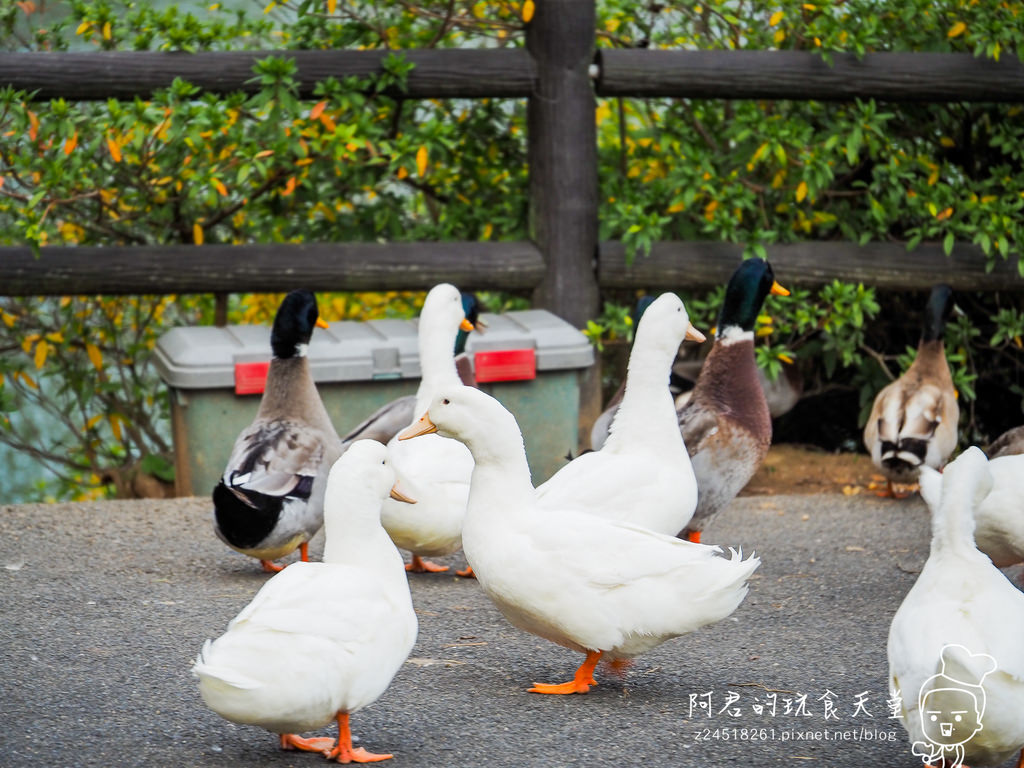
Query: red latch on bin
x=505, y=365
x=250, y=378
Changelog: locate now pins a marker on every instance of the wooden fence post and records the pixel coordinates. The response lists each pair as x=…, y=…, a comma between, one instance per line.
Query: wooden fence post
x=563, y=157
x=562, y=153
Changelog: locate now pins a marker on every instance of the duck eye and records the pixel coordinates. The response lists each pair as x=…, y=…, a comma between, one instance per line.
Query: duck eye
x=446, y=401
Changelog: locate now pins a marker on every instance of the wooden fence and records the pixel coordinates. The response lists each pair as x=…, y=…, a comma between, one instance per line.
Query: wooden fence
x=561, y=74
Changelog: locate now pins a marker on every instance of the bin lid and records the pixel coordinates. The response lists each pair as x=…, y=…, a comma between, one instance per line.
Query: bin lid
x=205, y=357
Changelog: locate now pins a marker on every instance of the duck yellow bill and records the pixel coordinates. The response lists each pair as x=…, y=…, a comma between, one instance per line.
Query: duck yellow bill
x=465, y=325
x=778, y=290
x=397, y=495
x=422, y=427
x=692, y=334
x=321, y=323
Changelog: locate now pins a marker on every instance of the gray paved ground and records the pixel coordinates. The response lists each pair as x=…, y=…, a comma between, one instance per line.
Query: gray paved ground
x=106, y=604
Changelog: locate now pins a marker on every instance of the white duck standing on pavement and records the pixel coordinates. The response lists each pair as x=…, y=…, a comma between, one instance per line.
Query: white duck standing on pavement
x=321, y=641
x=270, y=499
x=955, y=642
x=434, y=471
x=608, y=589
x=642, y=474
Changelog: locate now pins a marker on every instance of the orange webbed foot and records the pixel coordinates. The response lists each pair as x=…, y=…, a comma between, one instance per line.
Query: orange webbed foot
x=467, y=573
x=693, y=536
x=271, y=567
x=355, y=755
x=345, y=753
x=419, y=565
x=581, y=683
x=321, y=744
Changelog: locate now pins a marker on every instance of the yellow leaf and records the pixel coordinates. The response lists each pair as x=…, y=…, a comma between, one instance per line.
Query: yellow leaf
x=677, y=207
x=327, y=122
x=9, y=320
x=219, y=186
x=270, y=7
x=106, y=31
x=115, y=425
x=70, y=144
x=775, y=18
x=785, y=358
x=289, y=187
x=42, y=349
x=801, y=191
x=943, y=215
x=317, y=109
x=947, y=142
x=93, y=421
x=488, y=231
x=421, y=160
x=33, y=125
x=197, y=233
x=401, y=173
x=264, y=153
x=29, y=381
x=956, y=30
x=95, y=356
x=115, y=150
x=332, y=7
x=83, y=27
x=780, y=35
x=528, y=9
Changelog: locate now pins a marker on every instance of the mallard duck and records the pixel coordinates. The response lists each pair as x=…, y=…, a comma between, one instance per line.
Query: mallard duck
x=913, y=422
x=436, y=471
x=607, y=589
x=270, y=499
x=1010, y=443
x=725, y=423
x=320, y=641
x=642, y=474
x=388, y=420
x=954, y=643
x=999, y=518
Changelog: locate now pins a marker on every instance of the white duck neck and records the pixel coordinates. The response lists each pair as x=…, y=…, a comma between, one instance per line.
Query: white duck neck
x=647, y=414
x=353, y=534
x=953, y=522
x=500, y=467
x=437, y=360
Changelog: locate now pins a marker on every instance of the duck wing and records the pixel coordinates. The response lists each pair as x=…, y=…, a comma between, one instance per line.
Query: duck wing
x=278, y=458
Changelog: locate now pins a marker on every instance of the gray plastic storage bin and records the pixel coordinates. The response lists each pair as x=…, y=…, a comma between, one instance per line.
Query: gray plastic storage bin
x=528, y=360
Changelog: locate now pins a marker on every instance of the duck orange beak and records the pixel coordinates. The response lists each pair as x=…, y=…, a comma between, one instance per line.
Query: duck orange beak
x=465, y=325
x=692, y=334
x=424, y=426
x=778, y=290
x=321, y=323
x=397, y=495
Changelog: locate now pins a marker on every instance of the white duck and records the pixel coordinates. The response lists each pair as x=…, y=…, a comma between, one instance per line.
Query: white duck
x=954, y=643
x=434, y=471
x=270, y=499
x=642, y=474
x=321, y=641
x=999, y=518
x=604, y=588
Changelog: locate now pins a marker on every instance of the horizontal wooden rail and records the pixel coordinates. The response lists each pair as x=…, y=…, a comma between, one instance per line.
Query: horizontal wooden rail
x=917, y=77
x=268, y=268
x=679, y=265
x=488, y=266
x=438, y=73
x=511, y=72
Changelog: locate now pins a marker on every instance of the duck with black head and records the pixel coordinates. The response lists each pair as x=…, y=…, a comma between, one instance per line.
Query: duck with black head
x=270, y=499
x=725, y=423
x=913, y=421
